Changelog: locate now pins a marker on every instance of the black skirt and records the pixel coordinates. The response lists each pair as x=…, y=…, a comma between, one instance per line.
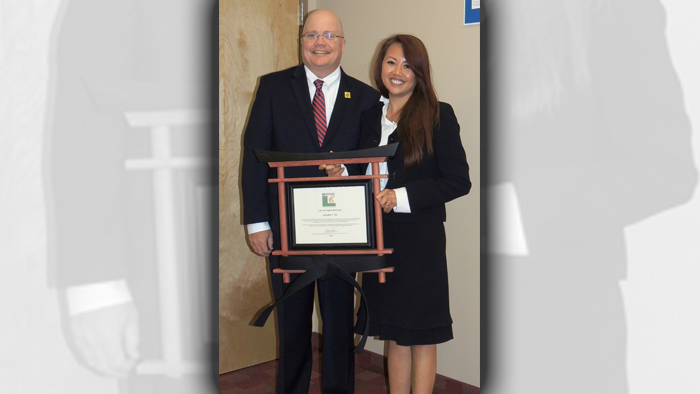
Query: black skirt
x=412, y=307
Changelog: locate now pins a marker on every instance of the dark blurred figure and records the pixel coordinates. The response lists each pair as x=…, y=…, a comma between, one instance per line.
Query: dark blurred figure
x=109, y=58
x=586, y=134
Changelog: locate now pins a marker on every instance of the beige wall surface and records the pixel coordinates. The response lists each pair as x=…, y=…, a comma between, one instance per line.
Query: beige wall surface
x=454, y=51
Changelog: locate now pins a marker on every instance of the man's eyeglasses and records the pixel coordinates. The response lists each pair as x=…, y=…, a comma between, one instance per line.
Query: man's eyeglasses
x=326, y=36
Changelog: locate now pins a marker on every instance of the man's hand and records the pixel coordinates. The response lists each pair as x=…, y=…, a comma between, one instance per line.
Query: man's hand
x=387, y=200
x=332, y=169
x=261, y=242
x=108, y=339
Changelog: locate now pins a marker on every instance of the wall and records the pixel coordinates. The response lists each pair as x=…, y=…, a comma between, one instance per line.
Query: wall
x=455, y=55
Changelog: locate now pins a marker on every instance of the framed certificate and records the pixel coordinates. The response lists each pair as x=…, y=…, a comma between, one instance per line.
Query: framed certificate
x=331, y=215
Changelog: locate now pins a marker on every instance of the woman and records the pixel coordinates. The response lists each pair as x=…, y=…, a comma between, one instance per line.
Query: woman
x=411, y=310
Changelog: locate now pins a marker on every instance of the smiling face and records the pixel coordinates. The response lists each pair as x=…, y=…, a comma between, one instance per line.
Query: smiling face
x=322, y=56
x=397, y=75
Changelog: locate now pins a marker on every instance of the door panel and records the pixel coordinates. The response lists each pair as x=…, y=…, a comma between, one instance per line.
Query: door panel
x=255, y=38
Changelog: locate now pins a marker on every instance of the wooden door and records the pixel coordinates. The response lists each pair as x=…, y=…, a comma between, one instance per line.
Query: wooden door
x=255, y=38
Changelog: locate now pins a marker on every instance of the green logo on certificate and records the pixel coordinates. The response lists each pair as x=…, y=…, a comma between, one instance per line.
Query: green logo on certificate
x=329, y=200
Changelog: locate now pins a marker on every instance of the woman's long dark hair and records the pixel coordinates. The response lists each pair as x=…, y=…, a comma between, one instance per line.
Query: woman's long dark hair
x=421, y=113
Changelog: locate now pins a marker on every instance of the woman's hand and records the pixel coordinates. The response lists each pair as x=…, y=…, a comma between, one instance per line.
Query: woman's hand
x=387, y=200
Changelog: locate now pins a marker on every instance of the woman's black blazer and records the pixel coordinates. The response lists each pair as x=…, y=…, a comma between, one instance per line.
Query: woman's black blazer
x=441, y=177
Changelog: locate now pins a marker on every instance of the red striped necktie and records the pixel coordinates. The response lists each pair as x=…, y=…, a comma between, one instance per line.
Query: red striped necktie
x=319, y=106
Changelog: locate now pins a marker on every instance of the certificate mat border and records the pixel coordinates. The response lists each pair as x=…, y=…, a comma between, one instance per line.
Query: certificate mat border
x=369, y=213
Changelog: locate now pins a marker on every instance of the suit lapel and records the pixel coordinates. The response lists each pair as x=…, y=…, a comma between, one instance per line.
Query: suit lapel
x=376, y=133
x=301, y=91
x=372, y=137
x=342, y=103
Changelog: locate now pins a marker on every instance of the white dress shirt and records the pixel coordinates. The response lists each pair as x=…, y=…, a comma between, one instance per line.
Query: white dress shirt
x=331, y=83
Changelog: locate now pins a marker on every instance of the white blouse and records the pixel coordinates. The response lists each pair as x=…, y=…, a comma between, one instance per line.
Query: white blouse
x=388, y=127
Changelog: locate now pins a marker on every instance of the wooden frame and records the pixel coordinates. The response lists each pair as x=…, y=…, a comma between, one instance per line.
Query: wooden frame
x=316, y=160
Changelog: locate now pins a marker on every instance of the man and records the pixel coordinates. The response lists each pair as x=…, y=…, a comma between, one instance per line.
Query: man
x=313, y=107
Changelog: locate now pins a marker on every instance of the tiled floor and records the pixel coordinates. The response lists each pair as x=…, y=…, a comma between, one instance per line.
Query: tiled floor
x=260, y=379
x=369, y=378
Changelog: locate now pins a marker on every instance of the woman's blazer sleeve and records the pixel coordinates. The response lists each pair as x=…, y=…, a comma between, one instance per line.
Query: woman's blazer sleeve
x=452, y=180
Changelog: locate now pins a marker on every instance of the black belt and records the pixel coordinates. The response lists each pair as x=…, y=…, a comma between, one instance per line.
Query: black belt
x=327, y=267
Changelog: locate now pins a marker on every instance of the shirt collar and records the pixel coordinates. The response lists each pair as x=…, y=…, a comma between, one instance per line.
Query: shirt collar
x=385, y=120
x=328, y=80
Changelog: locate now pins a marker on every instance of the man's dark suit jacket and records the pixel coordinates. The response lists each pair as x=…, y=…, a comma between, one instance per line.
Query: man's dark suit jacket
x=440, y=178
x=281, y=120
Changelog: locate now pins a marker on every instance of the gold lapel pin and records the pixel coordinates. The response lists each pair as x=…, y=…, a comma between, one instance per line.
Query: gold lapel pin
x=347, y=94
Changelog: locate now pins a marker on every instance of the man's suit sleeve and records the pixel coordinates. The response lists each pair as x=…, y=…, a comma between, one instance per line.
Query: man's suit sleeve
x=451, y=160
x=258, y=135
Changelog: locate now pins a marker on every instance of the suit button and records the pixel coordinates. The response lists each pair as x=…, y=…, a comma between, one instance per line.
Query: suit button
x=393, y=175
x=392, y=139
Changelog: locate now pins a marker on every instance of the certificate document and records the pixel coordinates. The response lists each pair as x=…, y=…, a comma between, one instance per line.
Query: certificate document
x=331, y=215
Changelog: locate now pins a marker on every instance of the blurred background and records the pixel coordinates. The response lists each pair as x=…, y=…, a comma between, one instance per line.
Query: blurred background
x=104, y=134
x=108, y=196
